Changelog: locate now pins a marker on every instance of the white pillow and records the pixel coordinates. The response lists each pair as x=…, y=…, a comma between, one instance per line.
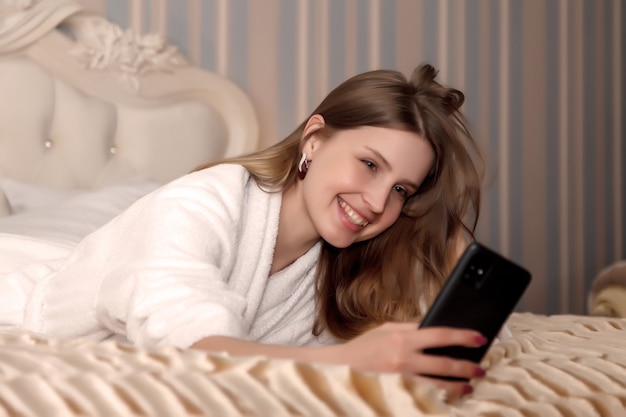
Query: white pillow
x=75, y=217
x=24, y=196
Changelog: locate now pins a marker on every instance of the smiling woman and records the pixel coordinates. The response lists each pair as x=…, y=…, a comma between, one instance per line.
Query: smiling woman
x=350, y=222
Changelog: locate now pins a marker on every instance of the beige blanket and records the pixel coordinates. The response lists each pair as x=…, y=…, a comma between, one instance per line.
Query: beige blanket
x=553, y=366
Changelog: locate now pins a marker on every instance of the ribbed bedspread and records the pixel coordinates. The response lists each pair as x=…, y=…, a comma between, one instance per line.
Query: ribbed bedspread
x=553, y=366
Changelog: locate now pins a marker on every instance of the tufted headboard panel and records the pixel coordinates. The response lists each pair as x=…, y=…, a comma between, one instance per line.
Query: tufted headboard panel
x=84, y=103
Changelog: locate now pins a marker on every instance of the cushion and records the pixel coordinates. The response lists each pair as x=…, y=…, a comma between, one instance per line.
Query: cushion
x=70, y=218
x=607, y=295
x=23, y=196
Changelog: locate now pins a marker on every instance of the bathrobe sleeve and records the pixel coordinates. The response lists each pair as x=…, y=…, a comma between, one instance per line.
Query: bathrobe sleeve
x=158, y=274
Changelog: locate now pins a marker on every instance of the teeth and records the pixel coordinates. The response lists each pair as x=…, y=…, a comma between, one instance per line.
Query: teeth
x=354, y=218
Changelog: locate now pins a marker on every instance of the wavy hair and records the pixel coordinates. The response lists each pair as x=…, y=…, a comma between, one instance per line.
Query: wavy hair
x=395, y=275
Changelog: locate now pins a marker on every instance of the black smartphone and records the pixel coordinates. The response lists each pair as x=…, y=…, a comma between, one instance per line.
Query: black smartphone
x=481, y=292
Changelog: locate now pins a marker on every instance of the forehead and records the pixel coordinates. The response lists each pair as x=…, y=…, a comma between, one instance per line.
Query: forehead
x=406, y=152
x=382, y=137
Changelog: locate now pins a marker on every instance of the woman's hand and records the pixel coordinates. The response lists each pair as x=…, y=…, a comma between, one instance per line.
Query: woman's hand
x=398, y=347
x=392, y=347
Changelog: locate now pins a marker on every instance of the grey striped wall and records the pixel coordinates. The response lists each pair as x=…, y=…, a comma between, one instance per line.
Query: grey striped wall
x=545, y=96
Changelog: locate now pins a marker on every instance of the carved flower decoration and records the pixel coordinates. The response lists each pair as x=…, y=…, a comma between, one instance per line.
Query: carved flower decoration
x=9, y=8
x=17, y=4
x=103, y=45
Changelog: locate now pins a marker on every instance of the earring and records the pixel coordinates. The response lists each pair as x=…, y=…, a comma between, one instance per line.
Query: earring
x=303, y=166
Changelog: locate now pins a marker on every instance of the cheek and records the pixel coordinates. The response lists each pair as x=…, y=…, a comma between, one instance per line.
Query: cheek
x=392, y=212
x=340, y=179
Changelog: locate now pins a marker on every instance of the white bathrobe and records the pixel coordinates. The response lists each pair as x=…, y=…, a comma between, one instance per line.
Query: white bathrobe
x=191, y=259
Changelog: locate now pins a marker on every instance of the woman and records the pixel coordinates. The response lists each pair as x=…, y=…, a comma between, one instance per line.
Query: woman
x=342, y=232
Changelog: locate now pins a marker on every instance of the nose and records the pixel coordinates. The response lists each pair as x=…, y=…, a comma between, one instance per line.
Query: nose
x=376, y=197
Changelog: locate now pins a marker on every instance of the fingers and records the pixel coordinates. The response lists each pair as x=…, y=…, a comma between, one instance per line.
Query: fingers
x=434, y=337
x=443, y=366
x=418, y=363
x=453, y=389
x=436, y=368
x=399, y=347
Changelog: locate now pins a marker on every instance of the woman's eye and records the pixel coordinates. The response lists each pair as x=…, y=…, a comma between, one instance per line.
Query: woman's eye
x=370, y=164
x=401, y=191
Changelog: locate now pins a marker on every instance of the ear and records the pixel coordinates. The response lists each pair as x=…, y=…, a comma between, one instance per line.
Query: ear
x=309, y=138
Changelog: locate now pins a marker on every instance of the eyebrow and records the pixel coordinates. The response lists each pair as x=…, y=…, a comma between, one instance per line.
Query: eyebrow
x=388, y=166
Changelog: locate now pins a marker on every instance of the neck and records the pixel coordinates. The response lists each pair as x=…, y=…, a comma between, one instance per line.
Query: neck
x=296, y=234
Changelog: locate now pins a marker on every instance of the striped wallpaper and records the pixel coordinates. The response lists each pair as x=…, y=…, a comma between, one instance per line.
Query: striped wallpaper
x=545, y=96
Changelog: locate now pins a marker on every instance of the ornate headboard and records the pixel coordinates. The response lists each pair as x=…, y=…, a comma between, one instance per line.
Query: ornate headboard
x=85, y=103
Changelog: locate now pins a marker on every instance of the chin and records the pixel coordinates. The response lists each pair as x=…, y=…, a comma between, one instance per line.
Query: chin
x=338, y=243
x=344, y=243
x=344, y=240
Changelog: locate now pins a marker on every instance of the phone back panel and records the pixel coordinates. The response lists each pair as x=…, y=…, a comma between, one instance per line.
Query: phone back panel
x=480, y=293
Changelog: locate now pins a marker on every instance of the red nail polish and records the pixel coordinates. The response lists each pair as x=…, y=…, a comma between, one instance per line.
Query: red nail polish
x=481, y=340
x=479, y=372
x=468, y=389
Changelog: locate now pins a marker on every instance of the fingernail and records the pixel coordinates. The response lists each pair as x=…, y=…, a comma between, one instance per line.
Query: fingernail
x=481, y=340
x=478, y=372
x=468, y=389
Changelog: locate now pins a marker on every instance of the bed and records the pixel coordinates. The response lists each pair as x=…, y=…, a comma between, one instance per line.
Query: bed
x=87, y=105
x=92, y=117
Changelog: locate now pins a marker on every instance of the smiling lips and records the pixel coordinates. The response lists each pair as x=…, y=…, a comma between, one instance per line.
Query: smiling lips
x=352, y=215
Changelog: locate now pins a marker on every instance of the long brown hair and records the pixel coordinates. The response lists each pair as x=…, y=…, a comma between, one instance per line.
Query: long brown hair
x=393, y=275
